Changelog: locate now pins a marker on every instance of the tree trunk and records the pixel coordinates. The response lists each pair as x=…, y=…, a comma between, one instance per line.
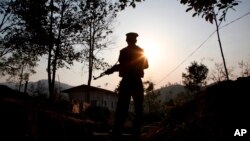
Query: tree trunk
x=50, y=84
x=57, y=53
x=21, y=80
x=25, y=86
x=90, y=64
x=218, y=35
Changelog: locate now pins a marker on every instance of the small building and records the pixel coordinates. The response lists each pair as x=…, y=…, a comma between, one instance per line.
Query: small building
x=98, y=97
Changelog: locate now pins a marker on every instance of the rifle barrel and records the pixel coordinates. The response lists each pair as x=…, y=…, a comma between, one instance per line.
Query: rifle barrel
x=102, y=74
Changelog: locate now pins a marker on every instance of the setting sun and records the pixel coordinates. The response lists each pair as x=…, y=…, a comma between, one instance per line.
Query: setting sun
x=151, y=51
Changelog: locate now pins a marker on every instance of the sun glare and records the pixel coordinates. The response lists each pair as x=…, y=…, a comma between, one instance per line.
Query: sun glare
x=151, y=51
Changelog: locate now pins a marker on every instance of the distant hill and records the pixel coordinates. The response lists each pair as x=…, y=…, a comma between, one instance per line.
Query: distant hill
x=39, y=87
x=171, y=92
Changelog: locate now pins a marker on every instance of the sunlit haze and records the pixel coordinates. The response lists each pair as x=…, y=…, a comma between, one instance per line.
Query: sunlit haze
x=168, y=35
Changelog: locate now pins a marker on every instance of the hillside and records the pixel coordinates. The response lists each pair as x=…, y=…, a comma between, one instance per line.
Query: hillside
x=39, y=87
x=213, y=115
x=170, y=92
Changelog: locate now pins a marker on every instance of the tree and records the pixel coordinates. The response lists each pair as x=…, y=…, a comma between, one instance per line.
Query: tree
x=245, y=68
x=22, y=67
x=96, y=18
x=152, y=102
x=195, y=76
x=8, y=22
x=18, y=56
x=122, y=4
x=23, y=36
x=218, y=74
x=19, y=64
x=47, y=25
x=211, y=10
x=5, y=17
x=61, y=47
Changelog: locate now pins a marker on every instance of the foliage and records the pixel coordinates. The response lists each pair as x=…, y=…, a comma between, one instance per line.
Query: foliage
x=218, y=74
x=22, y=66
x=122, y=4
x=96, y=18
x=19, y=50
x=5, y=25
x=48, y=23
x=8, y=19
x=195, y=76
x=245, y=68
x=152, y=104
x=211, y=10
x=206, y=8
x=213, y=115
x=51, y=27
x=34, y=32
x=97, y=113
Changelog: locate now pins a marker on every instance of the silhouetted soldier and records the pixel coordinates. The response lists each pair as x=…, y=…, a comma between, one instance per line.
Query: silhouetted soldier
x=132, y=63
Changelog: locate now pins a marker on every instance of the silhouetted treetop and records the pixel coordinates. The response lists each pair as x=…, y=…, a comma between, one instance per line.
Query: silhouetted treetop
x=122, y=4
x=195, y=76
x=206, y=8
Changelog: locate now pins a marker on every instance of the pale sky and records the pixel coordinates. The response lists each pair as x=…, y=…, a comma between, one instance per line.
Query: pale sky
x=172, y=35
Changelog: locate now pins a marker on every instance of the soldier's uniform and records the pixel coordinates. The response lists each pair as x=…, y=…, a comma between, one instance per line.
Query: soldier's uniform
x=132, y=63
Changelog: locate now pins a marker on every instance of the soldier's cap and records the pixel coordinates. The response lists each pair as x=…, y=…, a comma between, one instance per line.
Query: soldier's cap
x=132, y=35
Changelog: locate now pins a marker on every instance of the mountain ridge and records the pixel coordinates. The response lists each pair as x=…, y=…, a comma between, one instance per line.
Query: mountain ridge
x=38, y=87
x=171, y=92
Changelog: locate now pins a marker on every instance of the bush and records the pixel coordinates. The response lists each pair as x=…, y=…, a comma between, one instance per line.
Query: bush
x=98, y=113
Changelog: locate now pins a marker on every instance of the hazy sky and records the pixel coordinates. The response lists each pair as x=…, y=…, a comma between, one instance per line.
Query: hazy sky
x=171, y=34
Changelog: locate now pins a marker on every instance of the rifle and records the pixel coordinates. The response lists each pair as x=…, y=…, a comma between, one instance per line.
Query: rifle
x=108, y=71
x=101, y=75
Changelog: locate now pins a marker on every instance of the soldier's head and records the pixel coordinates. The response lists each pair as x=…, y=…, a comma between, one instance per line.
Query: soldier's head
x=131, y=37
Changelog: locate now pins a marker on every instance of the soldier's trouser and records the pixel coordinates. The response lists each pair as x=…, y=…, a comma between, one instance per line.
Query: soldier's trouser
x=129, y=87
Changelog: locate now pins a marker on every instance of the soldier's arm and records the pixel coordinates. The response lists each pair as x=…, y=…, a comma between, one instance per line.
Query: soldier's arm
x=113, y=69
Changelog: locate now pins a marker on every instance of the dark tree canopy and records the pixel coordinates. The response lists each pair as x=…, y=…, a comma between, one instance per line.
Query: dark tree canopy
x=19, y=51
x=122, y=4
x=206, y=8
x=195, y=76
x=37, y=28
